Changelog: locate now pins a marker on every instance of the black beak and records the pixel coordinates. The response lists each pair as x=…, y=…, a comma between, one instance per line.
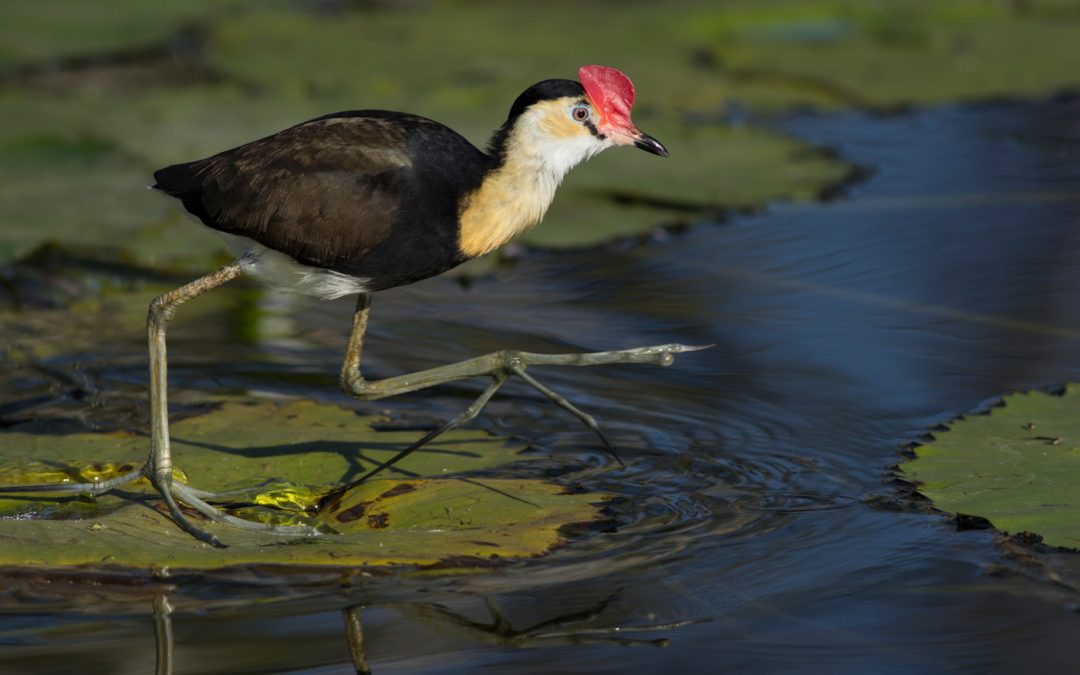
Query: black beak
x=650, y=144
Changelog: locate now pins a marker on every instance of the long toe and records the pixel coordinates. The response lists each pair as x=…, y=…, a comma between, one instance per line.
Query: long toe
x=190, y=496
x=96, y=488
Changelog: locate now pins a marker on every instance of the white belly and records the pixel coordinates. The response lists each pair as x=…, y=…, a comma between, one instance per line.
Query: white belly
x=282, y=272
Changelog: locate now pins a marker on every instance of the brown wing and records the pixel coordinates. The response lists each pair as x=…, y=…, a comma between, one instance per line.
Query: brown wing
x=324, y=191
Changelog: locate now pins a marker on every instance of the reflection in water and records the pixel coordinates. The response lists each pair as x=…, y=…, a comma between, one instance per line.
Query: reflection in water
x=552, y=631
x=572, y=628
x=843, y=330
x=163, y=635
x=354, y=634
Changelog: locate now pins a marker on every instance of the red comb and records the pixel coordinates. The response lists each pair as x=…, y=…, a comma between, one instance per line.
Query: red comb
x=610, y=90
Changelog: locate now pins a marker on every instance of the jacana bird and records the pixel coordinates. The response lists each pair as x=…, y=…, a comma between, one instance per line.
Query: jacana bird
x=357, y=202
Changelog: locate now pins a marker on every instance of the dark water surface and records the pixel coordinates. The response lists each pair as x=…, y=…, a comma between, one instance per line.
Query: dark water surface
x=756, y=470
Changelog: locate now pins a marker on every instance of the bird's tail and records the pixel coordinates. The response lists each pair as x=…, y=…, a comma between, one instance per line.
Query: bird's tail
x=182, y=181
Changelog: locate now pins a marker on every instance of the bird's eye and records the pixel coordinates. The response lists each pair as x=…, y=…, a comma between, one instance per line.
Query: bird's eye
x=580, y=113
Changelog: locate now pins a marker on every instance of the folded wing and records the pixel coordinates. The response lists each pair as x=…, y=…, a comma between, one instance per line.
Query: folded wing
x=323, y=192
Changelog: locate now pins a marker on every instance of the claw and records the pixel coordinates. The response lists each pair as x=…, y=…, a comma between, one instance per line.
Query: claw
x=169, y=491
x=693, y=348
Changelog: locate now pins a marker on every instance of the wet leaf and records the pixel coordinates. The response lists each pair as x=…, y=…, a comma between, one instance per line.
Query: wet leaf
x=1018, y=467
x=36, y=31
x=277, y=461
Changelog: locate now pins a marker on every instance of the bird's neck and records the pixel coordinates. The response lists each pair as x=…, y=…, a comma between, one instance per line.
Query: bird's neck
x=516, y=191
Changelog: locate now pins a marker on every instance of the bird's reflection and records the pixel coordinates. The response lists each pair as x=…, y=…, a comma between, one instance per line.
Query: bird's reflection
x=573, y=628
x=354, y=635
x=579, y=627
x=163, y=635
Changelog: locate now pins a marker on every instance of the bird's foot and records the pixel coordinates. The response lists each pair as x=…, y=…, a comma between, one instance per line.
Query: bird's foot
x=94, y=489
x=194, y=498
x=499, y=366
x=515, y=363
x=173, y=493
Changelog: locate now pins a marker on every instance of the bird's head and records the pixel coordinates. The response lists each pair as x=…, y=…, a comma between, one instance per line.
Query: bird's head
x=610, y=96
x=565, y=122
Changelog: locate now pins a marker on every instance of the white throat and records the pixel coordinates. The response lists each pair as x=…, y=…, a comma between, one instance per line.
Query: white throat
x=514, y=197
x=543, y=144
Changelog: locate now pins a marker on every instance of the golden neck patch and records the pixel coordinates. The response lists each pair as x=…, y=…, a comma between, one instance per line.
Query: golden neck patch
x=544, y=144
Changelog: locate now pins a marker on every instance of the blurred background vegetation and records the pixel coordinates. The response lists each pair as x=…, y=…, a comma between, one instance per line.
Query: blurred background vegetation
x=96, y=94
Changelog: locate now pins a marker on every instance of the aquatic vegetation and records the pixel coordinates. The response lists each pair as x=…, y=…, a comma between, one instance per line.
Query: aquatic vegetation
x=426, y=511
x=1018, y=466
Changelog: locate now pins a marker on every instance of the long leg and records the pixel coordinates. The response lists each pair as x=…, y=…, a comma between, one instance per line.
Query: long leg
x=354, y=384
x=158, y=467
x=163, y=635
x=354, y=633
x=500, y=364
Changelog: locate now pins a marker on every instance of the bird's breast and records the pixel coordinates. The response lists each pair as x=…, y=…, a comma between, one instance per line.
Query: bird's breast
x=511, y=199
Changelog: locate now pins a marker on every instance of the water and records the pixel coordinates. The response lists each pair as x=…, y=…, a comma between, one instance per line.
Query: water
x=758, y=504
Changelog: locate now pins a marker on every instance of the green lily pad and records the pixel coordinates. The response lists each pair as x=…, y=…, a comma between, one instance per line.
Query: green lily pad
x=1018, y=467
x=276, y=461
x=36, y=31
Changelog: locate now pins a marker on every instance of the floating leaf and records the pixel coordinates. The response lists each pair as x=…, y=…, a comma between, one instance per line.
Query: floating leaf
x=35, y=31
x=417, y=515
x=1018, y=467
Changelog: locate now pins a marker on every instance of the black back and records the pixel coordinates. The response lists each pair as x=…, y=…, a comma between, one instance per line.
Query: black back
x=369, y=193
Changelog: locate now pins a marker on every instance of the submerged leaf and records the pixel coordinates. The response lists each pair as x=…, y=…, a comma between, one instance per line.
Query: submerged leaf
x=1018, y=467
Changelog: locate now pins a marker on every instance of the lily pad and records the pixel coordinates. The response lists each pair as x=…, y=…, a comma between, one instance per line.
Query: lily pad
x=419, y=514
x=36, y=31
x=1018, y=467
